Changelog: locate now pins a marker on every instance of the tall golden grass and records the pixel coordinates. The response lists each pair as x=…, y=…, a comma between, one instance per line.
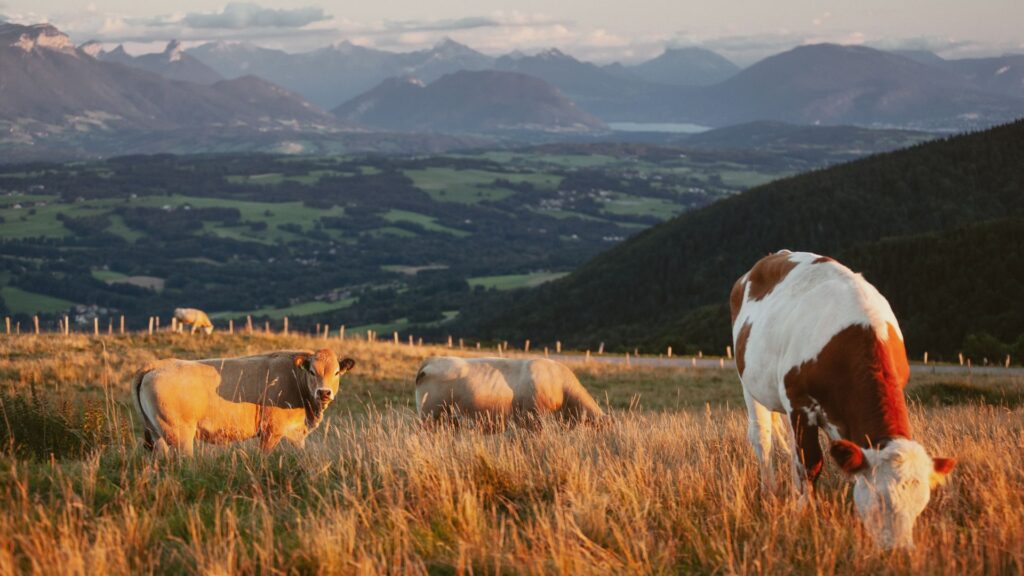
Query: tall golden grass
x=665, y=491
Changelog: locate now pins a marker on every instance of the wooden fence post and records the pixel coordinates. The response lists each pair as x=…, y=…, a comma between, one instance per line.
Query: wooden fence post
x=526, y=347
x=693, y=361
x=558, y=346
x=449, y=340
x=327, y=331
x=174, y=324
x=461, y=344
x=35, y=320
x=926, y=358
x=110, y=326
x=728, y=352
x=419, y=341
x=395, y=335
x=411, y=343
x=478, y=345
x=1007, y=364
x=285, y=325
x=669, y=351
x=341, y=332
x=231, y=326
x=317, y=328
x=961, y=358
x=96, y=326
x=266, y=326
x=122, y=323
x=600, y=349
x=150, y=325
x=700, y=354
x=248, y=324
x=7, y=323
x=721, y=362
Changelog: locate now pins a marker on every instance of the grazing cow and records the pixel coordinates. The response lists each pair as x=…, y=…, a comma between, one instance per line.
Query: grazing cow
x=818, y=343
x=494, y=389
x=222, y=400
x=197, y=318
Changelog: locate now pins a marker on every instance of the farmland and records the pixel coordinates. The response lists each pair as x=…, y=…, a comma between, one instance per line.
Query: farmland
x=361, y=241
x=670, y=487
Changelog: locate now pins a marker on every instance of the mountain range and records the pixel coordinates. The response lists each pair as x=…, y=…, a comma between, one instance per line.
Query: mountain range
x=468, y=101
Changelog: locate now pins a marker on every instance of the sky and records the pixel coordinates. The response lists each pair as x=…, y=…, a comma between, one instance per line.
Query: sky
x=599, y=30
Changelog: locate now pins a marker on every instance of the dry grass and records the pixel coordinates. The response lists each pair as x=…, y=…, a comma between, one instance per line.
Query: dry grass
x=666, y=491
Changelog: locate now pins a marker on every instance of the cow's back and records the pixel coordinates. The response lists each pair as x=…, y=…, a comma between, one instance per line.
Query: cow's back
x=789, y=308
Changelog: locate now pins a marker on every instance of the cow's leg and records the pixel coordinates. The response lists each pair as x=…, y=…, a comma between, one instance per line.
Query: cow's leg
x=269, y=440
x=181, y=438
x=807, y=460
x=759, y=432
x=193, y=332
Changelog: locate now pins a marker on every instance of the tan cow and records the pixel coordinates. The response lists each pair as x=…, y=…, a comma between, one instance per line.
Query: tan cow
x=197, y=318
x=494, y=389
x=222, y=400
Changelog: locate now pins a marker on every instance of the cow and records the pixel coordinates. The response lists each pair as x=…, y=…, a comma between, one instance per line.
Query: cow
x=223, y=400
x=197, y=318
x=496, y=390
x=816, y=342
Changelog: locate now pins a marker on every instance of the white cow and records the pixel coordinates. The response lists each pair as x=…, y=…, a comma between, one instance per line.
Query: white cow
x=818, y=343
x=197, y=318
x=494, y=389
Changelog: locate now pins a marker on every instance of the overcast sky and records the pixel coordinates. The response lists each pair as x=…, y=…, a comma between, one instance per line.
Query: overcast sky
x=603, y=30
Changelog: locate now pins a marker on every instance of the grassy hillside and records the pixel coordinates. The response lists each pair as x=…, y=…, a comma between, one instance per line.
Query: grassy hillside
x=669, y=284
x=670, y=487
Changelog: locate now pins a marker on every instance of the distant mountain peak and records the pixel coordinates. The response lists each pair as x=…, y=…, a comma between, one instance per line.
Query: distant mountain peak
x=36, y=37
x=92, y=48
x=553, y=54
x=173, y=51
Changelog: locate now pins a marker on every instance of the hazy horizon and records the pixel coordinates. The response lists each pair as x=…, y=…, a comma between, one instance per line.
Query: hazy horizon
x=603, y=33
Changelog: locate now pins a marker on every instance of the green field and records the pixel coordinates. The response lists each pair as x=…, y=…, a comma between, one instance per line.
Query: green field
x=304, y=309
x=473, y=186
x=626, y=205
x=514, y=281
x=427, y=222
x=24, y=302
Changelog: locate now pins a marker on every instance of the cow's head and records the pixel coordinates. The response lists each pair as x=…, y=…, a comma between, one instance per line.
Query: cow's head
x=324, y=372
x=208, y=329
x=892, y=486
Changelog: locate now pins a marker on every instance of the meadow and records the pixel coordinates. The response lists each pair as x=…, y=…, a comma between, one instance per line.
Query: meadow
x=670, y=487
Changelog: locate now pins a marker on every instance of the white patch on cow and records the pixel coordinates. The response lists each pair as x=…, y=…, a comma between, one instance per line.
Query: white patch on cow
x=892, y=491
x=800, y=316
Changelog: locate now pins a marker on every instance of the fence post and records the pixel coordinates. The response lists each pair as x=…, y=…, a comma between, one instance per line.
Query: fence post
x=449, y=341
x=700, y=354
x=327, y=331
x=231, y=326
x=174, y=324
x=526, y=346
x=961, y=358
x=462, y=345
x=693, y=361
x=669, y=351
x=721, y=363
x=110, y=326
x=35, y=320
x=1007, y=364
x=248, y=324
x=96, y=326
x=395, y=335
x=411, y=343
x=600, y=349
x=558, y=346
x=317, y=328
x=926, y=358
x=478, y=345
x=545, y=351
x=419, y=341
x=122, y=324
x=7, y=323
x=150, y=325
x=627, y=359
x=728, y=352
x=285, y=325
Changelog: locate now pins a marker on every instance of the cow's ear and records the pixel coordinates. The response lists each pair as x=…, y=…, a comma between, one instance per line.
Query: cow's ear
x=941, y=467
x=345, y=365
x=849, y=456
x=302, y=361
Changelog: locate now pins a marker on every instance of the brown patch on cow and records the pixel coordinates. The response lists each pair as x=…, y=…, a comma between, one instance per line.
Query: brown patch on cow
x=858, y=380
x=736, y=297
x=768, y=273
x=848, y=455
x=741, y=347
x=822, y=260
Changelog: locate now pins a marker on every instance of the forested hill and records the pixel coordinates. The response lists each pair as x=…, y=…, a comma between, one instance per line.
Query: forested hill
x=894, y=216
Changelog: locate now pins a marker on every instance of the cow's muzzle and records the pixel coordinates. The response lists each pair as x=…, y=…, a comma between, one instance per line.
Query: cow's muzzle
x=324, y=395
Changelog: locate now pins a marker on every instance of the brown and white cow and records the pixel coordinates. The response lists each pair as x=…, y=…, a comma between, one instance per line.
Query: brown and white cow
x=197, y=318
x=818, y=343
x=222, y=400
x=492, y=390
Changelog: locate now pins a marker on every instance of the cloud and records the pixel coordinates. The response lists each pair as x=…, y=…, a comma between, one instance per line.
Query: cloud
x=442, y=25
x=244, y=15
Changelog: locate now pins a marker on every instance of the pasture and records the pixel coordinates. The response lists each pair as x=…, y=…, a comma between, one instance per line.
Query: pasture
x=671, y=487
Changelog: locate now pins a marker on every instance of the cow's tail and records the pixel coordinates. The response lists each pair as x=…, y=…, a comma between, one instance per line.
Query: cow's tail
x=148, y=425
